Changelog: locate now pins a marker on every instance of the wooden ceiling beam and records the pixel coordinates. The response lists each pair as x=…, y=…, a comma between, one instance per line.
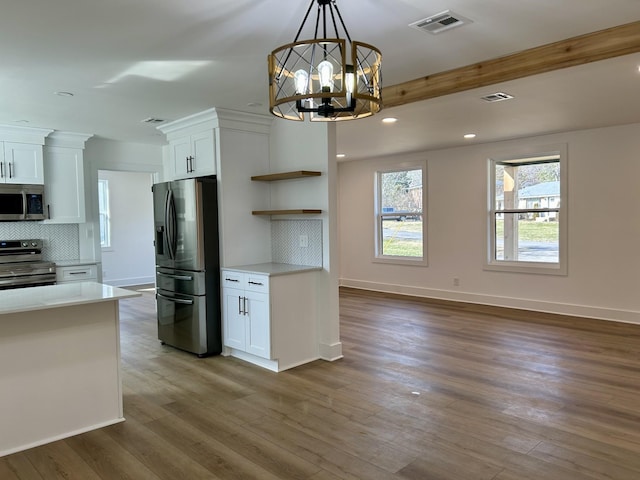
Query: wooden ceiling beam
x=592, y=47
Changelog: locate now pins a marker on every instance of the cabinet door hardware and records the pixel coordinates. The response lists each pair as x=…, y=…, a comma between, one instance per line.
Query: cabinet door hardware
x=231, y=280
x=175, y=300
x=79, y=273
x=10, y=171
x=242, y=306
x=1, y=170
x=190, y=164
x=256, y=283
x=176, y=277
x=49, y=211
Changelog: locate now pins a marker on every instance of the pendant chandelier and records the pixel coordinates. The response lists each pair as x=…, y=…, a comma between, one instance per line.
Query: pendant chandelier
x=319, y=78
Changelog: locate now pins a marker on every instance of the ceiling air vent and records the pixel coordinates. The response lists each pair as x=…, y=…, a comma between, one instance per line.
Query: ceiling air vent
x=440, y=22
x=497, y=97
x=152, y=120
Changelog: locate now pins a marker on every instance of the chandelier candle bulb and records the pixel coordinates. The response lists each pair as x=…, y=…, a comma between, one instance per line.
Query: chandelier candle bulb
x=302, y=80
x=325, y=71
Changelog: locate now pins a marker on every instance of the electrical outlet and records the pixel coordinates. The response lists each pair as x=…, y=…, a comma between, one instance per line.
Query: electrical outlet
x=303, y=241
x=456, y=282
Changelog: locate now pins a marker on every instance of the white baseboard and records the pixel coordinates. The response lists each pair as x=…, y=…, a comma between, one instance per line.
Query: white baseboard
x=55, y=438
x=588, y=311
x=331, y=352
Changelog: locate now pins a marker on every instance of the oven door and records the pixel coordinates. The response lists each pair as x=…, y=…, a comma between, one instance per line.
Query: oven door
x=182, y=321
x=17, y=275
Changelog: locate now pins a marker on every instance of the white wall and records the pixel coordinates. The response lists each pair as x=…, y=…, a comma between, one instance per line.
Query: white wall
x=306, y=146
x=603, y=240
x=244, y=238
x=130, y=259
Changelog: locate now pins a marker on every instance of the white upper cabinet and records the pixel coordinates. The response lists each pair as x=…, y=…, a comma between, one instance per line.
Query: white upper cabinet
x=192, y=146
x=21, y=154
x=192, y=155
x=22, y=163
x=64, y=193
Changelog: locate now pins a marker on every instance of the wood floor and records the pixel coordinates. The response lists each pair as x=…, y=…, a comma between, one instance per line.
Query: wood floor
x=425, y=391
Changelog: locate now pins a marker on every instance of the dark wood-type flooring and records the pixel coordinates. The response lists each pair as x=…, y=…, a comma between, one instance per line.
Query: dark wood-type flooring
x=425, y=391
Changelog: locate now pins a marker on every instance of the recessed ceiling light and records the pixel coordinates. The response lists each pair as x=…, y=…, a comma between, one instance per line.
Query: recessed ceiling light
x=340, y=155
x=254, y=104
x=389, y=120
x=21, y=121
x=469, y=135
x=64, y=94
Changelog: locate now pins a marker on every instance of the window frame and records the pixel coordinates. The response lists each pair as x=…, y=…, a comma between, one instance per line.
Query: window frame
x=378, y=256
x=534, y=153
x=104, y=209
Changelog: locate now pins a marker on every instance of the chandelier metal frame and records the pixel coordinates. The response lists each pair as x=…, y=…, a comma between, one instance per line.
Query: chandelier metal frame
x=316, y=77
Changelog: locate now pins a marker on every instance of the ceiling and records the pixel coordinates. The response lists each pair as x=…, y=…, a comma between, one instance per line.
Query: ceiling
x=129, y=60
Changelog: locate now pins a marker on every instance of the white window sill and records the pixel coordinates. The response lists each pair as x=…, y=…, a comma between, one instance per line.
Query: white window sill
x=538, y=268
x=414, y=262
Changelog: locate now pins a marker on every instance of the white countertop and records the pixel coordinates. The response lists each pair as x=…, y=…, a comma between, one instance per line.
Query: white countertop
x=62, y=295
x=273, y=269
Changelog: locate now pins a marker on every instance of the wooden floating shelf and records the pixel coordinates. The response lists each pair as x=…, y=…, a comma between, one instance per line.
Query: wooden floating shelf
x=285, y=176
x=298, y=211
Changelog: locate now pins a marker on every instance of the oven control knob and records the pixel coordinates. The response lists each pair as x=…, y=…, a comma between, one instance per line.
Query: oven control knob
x=34, y=244
x=25, y=244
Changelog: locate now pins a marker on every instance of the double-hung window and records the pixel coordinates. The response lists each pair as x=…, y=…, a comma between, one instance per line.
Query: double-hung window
x=400, y=220
x=104, y=214
x=527, y=213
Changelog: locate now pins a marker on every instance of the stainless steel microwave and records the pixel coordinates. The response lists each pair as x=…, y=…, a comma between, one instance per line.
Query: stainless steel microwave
x=21, y=202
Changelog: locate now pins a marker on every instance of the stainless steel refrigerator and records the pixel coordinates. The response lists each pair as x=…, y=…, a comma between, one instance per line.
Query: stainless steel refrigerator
x=187, y=265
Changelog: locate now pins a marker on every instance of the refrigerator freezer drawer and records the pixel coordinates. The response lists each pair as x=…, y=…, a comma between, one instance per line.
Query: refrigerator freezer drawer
x=181, y=281
x=182, y=321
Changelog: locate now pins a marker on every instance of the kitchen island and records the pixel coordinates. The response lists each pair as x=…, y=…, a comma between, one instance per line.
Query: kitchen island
x=59, y=362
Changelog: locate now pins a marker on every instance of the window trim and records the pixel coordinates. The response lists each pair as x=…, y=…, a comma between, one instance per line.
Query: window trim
x=378, y=257
x=109, y=246
x=545, y=268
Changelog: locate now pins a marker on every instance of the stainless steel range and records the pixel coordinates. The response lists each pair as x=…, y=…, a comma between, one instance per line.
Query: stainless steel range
x=21, y=265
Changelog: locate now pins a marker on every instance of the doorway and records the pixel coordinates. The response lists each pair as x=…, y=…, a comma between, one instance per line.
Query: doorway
x=126, y=227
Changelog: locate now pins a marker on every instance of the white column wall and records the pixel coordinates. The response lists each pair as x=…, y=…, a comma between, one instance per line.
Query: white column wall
x=306, y=146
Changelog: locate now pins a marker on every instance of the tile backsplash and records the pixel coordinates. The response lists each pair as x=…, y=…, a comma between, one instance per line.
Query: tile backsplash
x=286, y=239
x=61, y=242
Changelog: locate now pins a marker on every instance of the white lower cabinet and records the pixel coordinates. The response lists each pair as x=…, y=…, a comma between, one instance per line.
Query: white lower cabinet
x=246, y=313
x=77, y=273
x=269, y=320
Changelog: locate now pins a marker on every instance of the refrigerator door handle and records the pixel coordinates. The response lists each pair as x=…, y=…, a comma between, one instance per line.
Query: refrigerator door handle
x=176, y=277
x=175, y=300
x=171, y=224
